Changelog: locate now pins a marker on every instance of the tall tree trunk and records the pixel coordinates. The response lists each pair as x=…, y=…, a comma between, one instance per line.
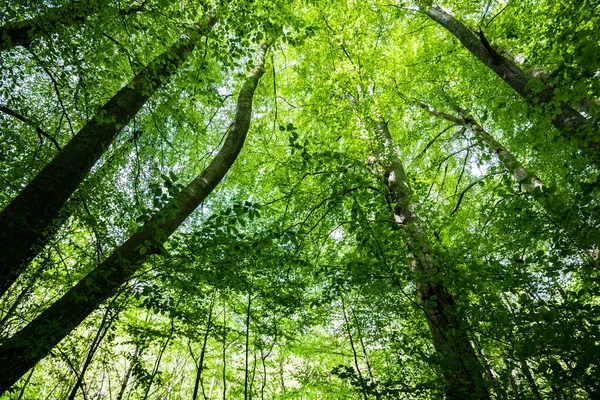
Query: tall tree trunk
x=347, y=325
x=461, y=367
x=247, y=344
x=200, y=366
x=568, y=120
x=22, y=33
x=583, y=235
x=107, y=320
x=74, y=202
x=224, y=352
x=125, y=380
x=29, y=214
x=22, y=351
x=158, y=360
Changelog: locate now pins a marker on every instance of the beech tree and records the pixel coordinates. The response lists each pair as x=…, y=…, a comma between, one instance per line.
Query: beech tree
x=315, y=200
x=36, y=206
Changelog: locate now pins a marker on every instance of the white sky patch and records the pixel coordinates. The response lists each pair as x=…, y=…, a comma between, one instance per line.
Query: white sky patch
x=337, y=233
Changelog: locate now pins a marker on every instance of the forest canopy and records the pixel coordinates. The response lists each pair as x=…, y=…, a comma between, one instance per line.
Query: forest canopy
x=207, y=199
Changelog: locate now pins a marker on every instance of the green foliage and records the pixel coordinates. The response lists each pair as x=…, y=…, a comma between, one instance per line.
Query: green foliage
x=293, y=279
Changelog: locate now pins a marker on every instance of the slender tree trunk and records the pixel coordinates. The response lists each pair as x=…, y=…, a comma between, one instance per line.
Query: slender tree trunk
x=584, y=236
x=19, y=353
x=347, y=324
x=224, y=352
x=158, y=360
x=200, y=366
x=105, y=324
x=29, y=214
x=55, y=20
x=22, y=392
x=251, y=386
x=125, y=381
x=247, y=344
x=362, y=345
x=568, y=121
x=461, y=367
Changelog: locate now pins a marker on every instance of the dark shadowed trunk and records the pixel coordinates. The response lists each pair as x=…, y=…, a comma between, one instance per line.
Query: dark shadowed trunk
x=55, y=20
x=22, y=351
x=25, y=219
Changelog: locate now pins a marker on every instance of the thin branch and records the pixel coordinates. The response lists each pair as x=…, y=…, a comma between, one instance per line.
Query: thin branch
x=31, y=123
x=462, y=194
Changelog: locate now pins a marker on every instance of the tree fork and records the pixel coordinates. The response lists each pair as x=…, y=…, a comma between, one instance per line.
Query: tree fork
x=32, y=343
x=569, y=121
x=29, y=214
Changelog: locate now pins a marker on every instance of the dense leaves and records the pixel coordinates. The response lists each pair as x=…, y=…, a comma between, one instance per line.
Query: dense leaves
x=296, y=278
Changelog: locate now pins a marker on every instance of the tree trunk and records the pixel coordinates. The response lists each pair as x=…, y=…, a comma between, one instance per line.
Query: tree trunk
x=583, y=235
x=460, y=366
x=347, y=325
x=22, y=351
x=73, y=203
x=158, y=360
x=200, y=366
x=105, y=324
x=26, y=218
x=568, y=120
x=125, y=381
x=56, y=19
x=247, y=345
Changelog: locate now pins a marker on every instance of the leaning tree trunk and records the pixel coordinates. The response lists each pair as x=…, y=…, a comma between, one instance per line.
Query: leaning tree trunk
x=583, y=235
x=461, y=368
x=23, y=33
x=568, y=120
x=32, y=343
x=24, y=220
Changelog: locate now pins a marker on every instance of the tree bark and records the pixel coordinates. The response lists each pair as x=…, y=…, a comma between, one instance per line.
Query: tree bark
x=461, y=368
x=567, y=119
x=23, y=33
x=73, y=203
x=22, y=351
x=26, y=218
x=200, y=366
x=582, y=234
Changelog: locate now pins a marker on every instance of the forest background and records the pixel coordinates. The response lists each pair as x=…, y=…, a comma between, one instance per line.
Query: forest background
x=299, y=200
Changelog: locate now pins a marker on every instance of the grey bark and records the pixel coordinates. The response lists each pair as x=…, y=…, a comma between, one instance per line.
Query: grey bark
x=25, y=219
x=23, y=350
x=461, y=368
x=582, y=234
x=23, y=33
x=567, y=120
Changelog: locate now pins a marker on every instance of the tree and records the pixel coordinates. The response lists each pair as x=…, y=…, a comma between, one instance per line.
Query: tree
x=399, y=223
x=564, y=117
x=27, y=347
x=39, y=203
x=23, y=33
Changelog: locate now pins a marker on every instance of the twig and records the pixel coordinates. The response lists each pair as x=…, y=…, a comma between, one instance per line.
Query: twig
x=31, y=123
x=462, y=194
